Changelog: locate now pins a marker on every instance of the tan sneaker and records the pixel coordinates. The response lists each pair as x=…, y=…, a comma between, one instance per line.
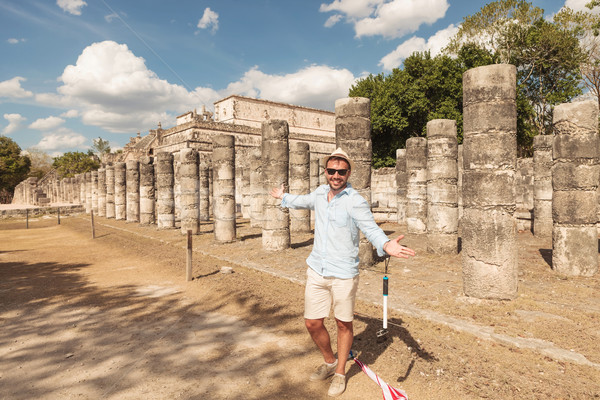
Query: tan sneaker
x=323, y=372
x=338, y=385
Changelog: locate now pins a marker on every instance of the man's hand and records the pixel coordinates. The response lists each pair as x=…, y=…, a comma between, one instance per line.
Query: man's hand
x=395, y=249
x=277, y=192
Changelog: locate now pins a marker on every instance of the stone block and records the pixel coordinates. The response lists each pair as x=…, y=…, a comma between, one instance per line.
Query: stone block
x=579, y=174
x=490, y=151
x=483, y=189
x=574, y=207
x=570, y=147
x=499, y=116
x=575, y=250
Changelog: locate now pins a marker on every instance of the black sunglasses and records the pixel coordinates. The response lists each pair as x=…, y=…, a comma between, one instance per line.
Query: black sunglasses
x=332, y=171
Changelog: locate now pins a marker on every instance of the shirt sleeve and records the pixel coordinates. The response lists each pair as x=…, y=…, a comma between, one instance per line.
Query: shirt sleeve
x=299, y=201
x=363, y=217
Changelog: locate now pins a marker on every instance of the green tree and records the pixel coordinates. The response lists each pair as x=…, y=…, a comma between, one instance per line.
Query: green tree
x=547, y=57
x=72, y=163
x=41, y=162
x=14, y=167
x=100, y=146
x=403, y=102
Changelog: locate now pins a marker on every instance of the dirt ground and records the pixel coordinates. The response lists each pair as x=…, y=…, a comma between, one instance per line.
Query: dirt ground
x=114, y=318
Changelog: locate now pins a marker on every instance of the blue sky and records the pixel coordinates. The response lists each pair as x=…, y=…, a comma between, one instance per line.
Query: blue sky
x=76, y=70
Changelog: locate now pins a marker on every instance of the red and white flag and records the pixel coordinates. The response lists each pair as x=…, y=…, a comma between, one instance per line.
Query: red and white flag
x=389, y=393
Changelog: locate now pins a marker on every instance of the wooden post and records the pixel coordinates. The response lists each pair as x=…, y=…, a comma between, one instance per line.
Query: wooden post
x=189, y=256
x=93, y=228
x=58, y=213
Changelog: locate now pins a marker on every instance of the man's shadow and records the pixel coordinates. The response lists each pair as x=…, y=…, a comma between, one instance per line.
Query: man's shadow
x=370, y=346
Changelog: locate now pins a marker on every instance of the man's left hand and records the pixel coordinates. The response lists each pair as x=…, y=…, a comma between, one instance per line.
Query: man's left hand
x=395, y=249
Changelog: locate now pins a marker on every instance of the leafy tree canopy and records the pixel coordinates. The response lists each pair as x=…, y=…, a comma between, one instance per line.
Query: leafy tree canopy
x=72, y=163
x=41, y=162
x=100, y=146
x=14, y=167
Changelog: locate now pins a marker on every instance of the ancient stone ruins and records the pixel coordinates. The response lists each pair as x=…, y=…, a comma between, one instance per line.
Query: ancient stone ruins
x=471, y=198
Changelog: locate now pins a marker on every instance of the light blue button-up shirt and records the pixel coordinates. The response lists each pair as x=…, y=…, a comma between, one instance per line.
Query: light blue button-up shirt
x=337, y=225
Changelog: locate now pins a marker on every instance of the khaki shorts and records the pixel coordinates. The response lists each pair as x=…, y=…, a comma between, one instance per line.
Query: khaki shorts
x=321, y=292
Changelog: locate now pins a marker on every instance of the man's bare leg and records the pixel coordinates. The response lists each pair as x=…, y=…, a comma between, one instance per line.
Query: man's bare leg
x=345, y=337
x=320, y=336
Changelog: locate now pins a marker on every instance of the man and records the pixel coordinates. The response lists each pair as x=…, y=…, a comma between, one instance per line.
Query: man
x=332, y=276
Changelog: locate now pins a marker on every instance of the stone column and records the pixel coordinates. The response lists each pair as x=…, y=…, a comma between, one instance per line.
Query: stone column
x=245, y=183
x=442, y=191
x=542, y=183
x=353, y=135
x=82, y=192
x=120, y=191
x=401, y=185
x=223, y=162
x=489, y=247
x=88, y=192
x=147, y=201
x=95, y=192
x=204, y=192
x=459, y=183
x=314, y=173
x=275, y=159
x=165, y=206
x=299, y=184
x=110, y=191
x=575, y=182
x=257, y=189
x=133, y=191
x=189, y=182
x=416, y=186
x=102, y=192
x=524, y=194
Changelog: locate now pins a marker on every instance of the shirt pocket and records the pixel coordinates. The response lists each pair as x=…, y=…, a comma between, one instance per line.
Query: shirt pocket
x=338, y=215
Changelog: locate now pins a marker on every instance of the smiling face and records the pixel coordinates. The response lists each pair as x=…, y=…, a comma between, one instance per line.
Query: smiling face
x=337, y=183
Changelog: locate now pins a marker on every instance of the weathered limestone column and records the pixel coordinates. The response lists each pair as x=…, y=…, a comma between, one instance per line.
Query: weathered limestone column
x=353, y=135
x=147, y=201
x=245, y=189
x=189, y=182
x=542, y=192
x=82, y=192
x=524, y=182
x=110, y=191
x=416, y=186
x=314, y=174
x=489, y=248
x=257, y=189
x=165, y=206
x=575, y=177
x=95, y=191
x=459, y=184
x=442, y=191
x=299, y=184
x=120, y=191
x=102, y=192
x=88, y=192
x=204, y=192
x=133, y=191
x=223, y=162
x=275, y=170
x=401, y=184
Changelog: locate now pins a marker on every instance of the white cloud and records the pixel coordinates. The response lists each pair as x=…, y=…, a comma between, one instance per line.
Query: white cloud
x=47, y=124
x=70, y=114
x=577, y=5
x=209, y=19
x=15, y=40
x=354, y=9
x=112, y=88
x=12, y=88
x=314, y=86
x=331, y=21
x=434, y=44
x=15, y=121
x=388, y=18
x=71, y=6
x=63, y=139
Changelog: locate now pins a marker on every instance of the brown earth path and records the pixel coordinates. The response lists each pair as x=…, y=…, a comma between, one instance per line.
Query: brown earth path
x=114, y=317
